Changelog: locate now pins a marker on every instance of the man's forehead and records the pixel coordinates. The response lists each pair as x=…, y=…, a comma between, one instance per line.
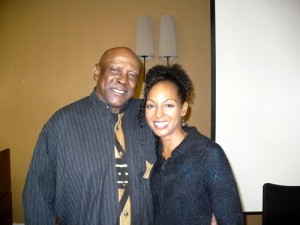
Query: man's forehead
x=120, y=52
x=121, y=60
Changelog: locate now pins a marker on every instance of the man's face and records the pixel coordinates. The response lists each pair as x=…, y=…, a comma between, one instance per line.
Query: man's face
x=117, y=79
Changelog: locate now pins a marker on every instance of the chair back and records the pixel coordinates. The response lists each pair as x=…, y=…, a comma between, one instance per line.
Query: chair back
x=281, y=204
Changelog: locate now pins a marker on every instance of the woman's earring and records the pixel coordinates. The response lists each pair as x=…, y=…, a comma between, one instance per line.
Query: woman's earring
x=183, y=123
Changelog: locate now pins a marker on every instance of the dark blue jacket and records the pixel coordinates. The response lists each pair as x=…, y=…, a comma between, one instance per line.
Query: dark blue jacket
x=194, y=183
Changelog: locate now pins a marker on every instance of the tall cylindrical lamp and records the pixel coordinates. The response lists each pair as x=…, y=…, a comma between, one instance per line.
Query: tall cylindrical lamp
x=144, y=39
x=167, y=38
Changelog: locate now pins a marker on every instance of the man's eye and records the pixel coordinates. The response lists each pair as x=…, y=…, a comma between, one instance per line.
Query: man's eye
x=133, y=75
x=114, y=70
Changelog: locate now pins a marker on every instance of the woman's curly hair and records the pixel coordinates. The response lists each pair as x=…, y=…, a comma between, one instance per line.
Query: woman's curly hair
x=175, y=74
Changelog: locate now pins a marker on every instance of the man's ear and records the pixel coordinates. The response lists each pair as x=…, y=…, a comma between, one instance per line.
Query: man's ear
x=184, y=110
x=96, y=71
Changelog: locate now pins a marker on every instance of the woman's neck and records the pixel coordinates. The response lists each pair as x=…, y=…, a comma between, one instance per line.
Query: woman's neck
x=169, y=144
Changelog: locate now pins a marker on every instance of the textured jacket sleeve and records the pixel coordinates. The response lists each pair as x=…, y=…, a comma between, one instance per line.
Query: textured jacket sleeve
x=39, y=190
x=222, y=188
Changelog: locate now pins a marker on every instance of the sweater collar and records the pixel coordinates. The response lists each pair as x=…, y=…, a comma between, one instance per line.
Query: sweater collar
x=192, y=135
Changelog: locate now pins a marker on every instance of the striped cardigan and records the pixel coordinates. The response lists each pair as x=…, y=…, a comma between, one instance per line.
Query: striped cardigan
x=72, y=174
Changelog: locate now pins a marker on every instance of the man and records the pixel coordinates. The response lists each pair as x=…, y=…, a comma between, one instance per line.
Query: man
x=92, y=161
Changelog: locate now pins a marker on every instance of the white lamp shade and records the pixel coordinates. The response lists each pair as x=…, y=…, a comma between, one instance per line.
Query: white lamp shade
x=167, y=37
x=144, y=37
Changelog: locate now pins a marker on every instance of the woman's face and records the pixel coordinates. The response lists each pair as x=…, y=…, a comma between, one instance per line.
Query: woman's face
x=164, y=110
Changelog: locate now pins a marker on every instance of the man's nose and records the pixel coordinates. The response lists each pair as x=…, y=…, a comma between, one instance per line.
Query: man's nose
x=123, y=78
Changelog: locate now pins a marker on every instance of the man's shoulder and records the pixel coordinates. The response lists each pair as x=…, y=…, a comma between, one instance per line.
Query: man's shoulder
x=70, y=108
x=134, y=104
x=136, y=101
x=76, y=104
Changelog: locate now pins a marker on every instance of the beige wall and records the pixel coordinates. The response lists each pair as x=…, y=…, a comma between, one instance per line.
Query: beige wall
x=48, y=49
x=253, y=219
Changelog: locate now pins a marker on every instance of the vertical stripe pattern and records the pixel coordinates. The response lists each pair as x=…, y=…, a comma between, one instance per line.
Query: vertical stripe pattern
x=72, y=174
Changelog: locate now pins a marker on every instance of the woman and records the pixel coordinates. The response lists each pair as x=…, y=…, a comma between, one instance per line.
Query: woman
x=192, y=179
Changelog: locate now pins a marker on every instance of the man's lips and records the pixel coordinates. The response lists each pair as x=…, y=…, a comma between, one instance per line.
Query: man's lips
x=118, y=91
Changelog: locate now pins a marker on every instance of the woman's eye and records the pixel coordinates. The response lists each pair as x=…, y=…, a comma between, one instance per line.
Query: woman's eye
x=149, y=106
x=169, y=105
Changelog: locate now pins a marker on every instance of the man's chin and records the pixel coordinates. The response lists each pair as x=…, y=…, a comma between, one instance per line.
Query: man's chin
x=116, y=107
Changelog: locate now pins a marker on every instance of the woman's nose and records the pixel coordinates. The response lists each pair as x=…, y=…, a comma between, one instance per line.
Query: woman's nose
x=159, y=112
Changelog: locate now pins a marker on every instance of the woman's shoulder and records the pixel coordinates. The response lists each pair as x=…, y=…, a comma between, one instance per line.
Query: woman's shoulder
x=200, y=143
x=198, y=138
